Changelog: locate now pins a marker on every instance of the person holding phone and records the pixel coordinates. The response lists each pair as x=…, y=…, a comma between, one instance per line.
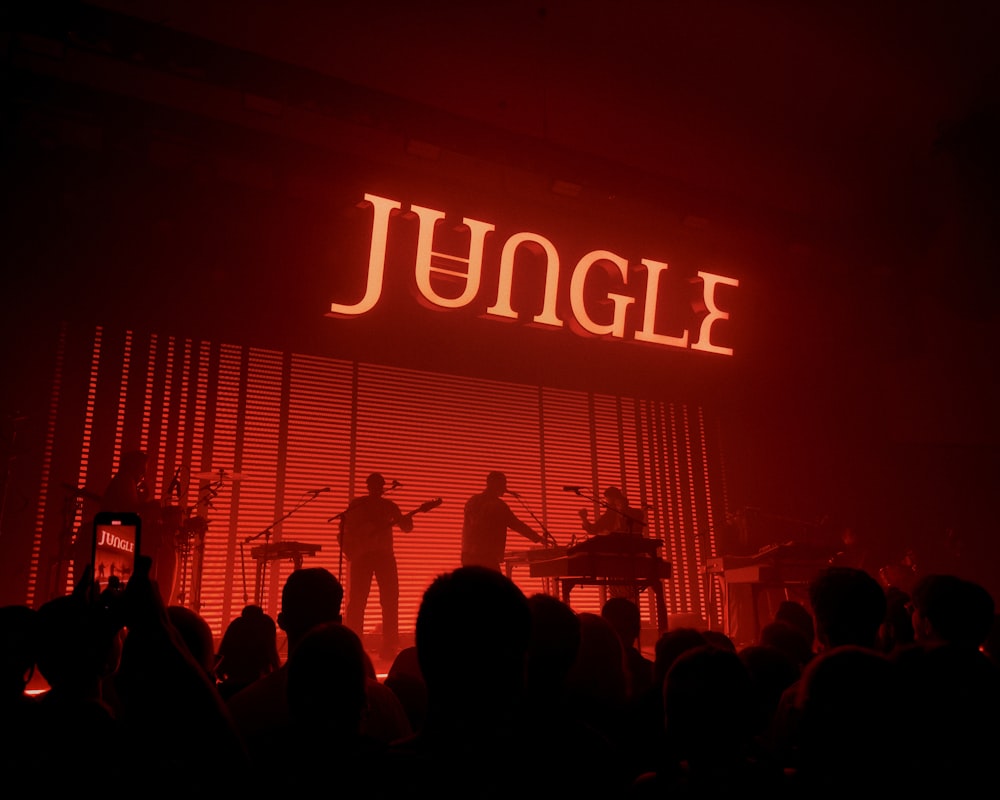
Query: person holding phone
x=128, y=492
x=117, y=543
x=125, y=493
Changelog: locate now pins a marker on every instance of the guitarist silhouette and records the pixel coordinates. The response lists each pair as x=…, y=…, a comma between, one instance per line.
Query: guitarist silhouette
x=366, y=540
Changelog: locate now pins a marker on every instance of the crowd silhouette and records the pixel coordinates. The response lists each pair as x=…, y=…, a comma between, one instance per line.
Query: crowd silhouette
x=505, y=695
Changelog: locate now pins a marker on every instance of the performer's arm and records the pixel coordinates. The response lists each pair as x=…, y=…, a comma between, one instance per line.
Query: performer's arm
x=593, y=528
x=404, y=521
x=523, y=528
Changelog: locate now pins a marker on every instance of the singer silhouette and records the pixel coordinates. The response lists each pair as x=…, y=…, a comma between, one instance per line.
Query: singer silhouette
x=487, y=518
x=366, y=540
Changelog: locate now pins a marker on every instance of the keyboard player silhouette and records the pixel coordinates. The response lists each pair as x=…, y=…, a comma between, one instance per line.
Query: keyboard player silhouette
x=619, y=516
x=616, y=556
x=621, y=520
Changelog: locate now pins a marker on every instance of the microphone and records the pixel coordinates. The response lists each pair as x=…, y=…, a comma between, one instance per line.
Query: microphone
x=318, y=491
x=571, y=488
x=396, y=484
x=512, y=493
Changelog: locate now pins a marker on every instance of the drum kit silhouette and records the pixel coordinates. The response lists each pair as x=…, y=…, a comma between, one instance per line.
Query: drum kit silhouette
x=190, y=524
x=181, y=529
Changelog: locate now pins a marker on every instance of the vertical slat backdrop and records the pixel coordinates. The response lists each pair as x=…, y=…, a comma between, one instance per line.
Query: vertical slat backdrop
x=283, y=425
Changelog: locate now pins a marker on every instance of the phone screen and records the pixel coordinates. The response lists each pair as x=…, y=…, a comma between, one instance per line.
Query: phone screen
x=115, y=546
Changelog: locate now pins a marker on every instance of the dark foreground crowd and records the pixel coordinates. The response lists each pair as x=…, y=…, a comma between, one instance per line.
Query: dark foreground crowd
x=503, y=696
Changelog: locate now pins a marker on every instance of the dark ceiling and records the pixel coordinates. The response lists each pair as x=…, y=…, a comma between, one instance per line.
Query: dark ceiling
x=829, y=111
x=867, y=125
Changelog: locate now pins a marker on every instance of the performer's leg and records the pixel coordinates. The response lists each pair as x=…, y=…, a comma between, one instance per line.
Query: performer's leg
x=387, y=574
x=359, y=582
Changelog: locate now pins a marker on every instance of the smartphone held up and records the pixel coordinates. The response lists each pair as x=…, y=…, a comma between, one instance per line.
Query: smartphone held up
x=115, y=546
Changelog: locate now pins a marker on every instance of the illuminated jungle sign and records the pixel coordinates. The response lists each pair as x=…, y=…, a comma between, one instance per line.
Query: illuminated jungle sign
x=449, y=269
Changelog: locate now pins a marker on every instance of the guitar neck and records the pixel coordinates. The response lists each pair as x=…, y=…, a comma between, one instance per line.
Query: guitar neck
x=424, y=507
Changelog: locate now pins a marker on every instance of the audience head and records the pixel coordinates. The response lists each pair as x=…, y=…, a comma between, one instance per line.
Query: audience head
x=848, y=605
x=772, y=670
x=720, y=639
x=76, y=648
x=710, y=708
x=669, y=646
x=849, y=698
x=599, y=671
x=796, y=614
x=327, y=679
x=950, y=609
x=789, y=639
x=249, y=647
x=555, y=642
x=472, y=634
x=311, y=595
x=625, y=618
x=197, y=635
x=952, y=694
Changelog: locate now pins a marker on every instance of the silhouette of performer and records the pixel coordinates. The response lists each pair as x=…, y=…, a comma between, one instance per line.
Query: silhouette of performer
x=487, y=519
x=619, y=519
x=366, y=541
x=619, y=516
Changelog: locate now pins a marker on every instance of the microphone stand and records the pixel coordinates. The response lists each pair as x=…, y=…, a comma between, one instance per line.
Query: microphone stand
x=546, y=536
x=262, y=569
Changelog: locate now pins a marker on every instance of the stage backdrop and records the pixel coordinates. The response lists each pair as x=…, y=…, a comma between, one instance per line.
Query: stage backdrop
x=241, y=438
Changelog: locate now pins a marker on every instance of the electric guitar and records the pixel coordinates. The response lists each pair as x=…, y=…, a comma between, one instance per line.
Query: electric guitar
x=352, y=541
